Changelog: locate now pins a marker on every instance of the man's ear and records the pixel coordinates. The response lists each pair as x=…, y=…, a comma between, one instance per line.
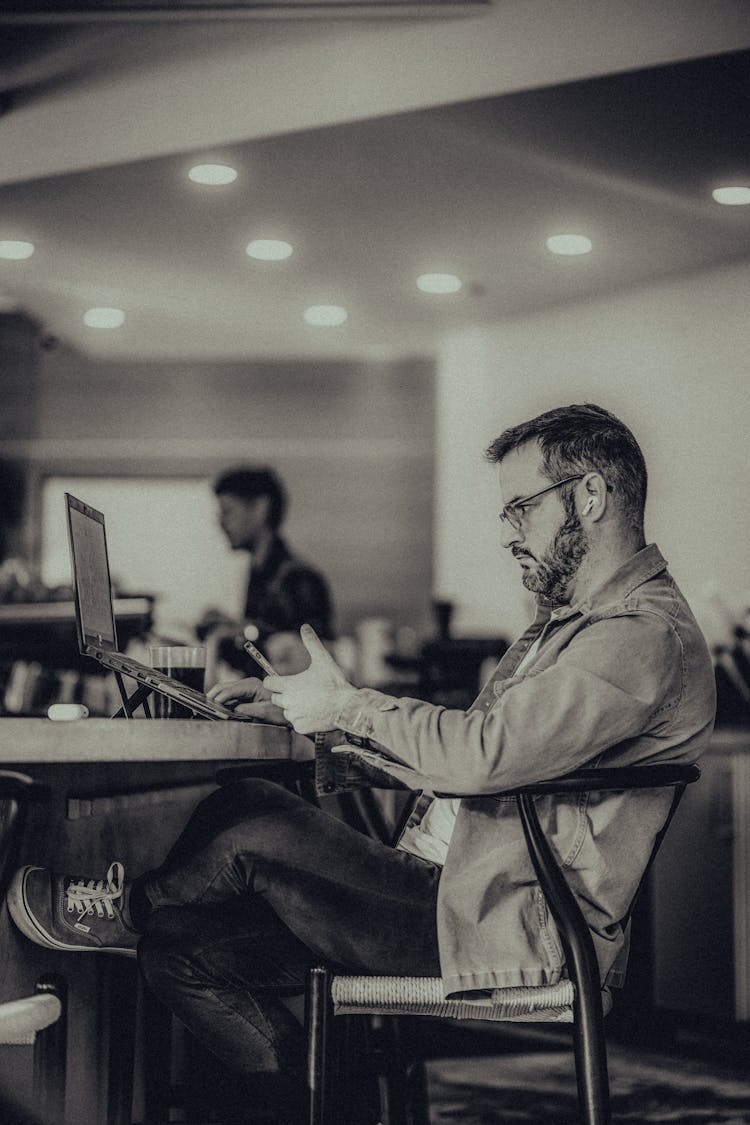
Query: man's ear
x=262, y=507
x=595, y=497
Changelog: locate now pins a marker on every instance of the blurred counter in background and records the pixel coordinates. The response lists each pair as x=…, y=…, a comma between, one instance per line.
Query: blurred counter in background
x=441, y=669
x=446, y=671
x=39, y=659
x=40, y=663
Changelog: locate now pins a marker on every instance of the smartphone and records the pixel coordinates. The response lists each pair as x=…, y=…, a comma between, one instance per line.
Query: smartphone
x=259, y=658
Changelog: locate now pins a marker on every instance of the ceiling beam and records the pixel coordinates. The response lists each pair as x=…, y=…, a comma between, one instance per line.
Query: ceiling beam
x=191, y=87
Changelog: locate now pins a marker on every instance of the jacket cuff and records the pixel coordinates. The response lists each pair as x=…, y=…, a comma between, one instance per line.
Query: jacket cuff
x=359, y=712
x=335, y=773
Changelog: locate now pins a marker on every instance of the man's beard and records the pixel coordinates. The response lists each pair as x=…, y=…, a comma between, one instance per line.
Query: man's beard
x=550, y=579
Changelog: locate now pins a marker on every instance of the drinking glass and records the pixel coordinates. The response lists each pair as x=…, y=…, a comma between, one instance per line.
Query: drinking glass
x=185, y=663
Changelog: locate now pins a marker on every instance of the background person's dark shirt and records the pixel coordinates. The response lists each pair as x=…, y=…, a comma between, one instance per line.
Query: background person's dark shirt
x=282, y=594
x=285, y=592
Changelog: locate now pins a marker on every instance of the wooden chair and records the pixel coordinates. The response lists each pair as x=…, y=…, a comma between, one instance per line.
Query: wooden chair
x=578, y=999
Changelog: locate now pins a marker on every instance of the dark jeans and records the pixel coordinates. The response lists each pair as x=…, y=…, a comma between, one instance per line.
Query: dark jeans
x=259, y=886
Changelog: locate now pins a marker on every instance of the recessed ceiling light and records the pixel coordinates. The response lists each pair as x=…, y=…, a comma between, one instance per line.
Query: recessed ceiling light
x=325, y=315
x=15, y=250
x=732, y=196
x=215, y=174
x=438, y=283
x=569, y=244
x=104, y=318
x=269, y=249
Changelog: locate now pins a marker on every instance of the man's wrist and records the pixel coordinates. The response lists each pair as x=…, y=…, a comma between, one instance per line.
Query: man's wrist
x=340, y=701
x=357, y=712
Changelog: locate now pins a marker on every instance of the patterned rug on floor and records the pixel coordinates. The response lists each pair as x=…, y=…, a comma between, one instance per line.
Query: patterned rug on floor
x=539, y=1087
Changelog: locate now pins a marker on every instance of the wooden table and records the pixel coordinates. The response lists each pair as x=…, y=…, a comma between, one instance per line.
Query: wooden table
x=29, y=741
x=119, y=789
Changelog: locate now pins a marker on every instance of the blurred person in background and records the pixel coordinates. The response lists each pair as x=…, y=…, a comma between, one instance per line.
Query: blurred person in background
x=283, y=592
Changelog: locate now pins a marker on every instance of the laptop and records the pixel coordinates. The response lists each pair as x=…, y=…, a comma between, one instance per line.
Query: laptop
x=95, y=619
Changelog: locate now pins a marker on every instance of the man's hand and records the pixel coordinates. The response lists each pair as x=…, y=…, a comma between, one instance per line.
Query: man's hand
x=310, y=699
x=249, y=697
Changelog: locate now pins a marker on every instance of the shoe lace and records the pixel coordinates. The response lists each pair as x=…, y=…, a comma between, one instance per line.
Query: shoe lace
x=89, y=895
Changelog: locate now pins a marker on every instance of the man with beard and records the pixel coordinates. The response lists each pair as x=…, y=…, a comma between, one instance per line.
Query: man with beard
x=612, y=671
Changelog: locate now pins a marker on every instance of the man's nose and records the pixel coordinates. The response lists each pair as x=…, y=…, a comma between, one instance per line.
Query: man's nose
x=509, y=534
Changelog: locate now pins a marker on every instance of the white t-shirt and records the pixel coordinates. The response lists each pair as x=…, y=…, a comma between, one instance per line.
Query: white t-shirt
x=430, y=838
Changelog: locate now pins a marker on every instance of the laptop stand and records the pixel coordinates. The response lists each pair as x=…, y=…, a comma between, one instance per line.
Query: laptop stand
x=131, y=703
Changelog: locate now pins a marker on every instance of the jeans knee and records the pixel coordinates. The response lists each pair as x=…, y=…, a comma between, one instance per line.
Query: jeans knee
x=244, y=798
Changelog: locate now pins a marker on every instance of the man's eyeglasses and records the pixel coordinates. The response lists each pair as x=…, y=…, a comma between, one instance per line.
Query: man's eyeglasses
x=515, y=512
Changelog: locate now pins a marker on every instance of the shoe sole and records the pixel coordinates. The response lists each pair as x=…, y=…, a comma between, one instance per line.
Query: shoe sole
x=26, y=922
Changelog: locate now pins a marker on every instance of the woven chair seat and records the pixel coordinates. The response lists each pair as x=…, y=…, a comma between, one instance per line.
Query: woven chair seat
x=20, y=1020
x=424, y=996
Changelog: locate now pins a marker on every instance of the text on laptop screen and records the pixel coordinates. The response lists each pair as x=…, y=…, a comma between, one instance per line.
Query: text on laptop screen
x=92, y=578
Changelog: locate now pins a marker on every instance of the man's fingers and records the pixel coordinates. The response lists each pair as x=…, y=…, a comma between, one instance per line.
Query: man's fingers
x=315, y=646
x=222, y=694
x=235, y=689
x=320, y=654
x=266, y=711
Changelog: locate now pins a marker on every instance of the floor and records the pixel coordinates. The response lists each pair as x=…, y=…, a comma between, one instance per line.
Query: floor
x=525, y=1076
x=525, y=1084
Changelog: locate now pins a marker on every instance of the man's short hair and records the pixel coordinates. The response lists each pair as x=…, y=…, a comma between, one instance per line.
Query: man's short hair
x=582, y=438
x=248, y=483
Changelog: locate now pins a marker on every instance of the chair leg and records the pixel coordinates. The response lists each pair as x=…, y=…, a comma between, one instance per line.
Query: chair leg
x=50, y=1051
x=418, y=1112
x=392, y=1077
x=401, y=1094
x=122, y=981
x=318, y=1016
x=590, y=1048
x=157, y=1059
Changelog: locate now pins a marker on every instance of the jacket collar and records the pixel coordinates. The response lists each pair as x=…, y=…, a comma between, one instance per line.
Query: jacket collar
x=636, y=570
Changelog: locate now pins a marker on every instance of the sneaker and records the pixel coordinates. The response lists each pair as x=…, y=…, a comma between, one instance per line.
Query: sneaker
x=66, y=912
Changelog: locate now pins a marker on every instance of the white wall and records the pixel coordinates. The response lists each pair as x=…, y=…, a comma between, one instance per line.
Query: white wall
x=163, y=538
x=672, y=360
x=352, y=441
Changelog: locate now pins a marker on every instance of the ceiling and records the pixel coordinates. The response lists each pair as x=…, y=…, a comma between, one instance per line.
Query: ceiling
x=381, y=148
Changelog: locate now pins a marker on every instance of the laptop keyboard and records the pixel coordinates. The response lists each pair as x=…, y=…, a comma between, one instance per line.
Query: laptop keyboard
x=181, y=692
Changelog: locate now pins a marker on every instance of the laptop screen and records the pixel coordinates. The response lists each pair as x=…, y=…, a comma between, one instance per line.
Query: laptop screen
x=93, y=592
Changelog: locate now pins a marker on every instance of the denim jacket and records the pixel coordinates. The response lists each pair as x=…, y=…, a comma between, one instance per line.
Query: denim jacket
x=621, y=678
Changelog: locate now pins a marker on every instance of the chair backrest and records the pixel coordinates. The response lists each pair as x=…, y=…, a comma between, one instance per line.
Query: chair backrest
x=679, y=790
x=615, y=779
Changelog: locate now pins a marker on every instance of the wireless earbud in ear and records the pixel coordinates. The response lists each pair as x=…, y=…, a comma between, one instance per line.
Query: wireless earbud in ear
x=589, y=505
